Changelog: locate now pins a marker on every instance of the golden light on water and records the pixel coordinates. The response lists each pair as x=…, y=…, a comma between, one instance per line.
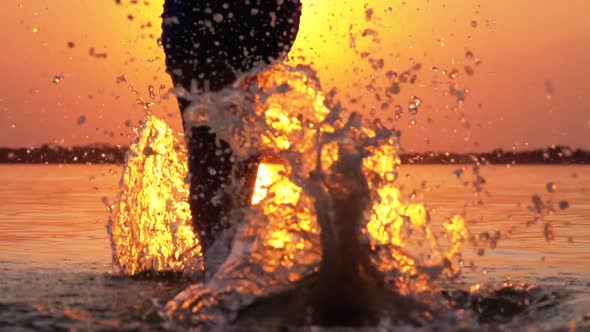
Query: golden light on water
x=267, y=175
x=151, y=227
x=457, y=233
x=150, y=224
x=285, y=219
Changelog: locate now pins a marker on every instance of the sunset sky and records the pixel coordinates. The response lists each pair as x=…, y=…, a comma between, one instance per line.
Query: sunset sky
x=62, y=63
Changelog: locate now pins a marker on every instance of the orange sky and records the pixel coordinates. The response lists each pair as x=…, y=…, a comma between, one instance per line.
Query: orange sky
x=522, y=44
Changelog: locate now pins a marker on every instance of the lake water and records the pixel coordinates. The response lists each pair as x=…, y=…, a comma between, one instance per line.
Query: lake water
x=55, y=253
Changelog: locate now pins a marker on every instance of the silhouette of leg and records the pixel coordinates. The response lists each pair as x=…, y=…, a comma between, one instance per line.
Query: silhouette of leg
x=206, y=43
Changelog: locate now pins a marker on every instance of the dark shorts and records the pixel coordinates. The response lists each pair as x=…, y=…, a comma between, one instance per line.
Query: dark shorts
x=208, y=41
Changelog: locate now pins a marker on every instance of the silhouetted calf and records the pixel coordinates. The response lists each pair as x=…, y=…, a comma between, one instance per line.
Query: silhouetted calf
x=206, y=43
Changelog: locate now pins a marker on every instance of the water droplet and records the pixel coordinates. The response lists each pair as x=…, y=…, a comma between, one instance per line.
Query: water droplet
x=563, y=205
x=549, y=89
x=57, y=79
x=395, y=88
x=548, y=232
x=217, y=18
x=414, y=104
x=368, y=13
x=551, y=187
x=35, y=29
x=390, y=176
x=151, y=91
x=474, y=24
x=453, y=74
x=398, y=111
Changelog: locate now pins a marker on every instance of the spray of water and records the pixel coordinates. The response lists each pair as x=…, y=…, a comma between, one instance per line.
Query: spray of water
x=150, y=225
x=327, y=166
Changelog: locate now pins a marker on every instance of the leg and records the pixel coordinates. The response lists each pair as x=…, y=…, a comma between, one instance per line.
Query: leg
x=206, y=43
x=209, y=160
x=210, y=168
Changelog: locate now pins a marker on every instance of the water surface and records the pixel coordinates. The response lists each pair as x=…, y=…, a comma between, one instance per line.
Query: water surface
x=55, y=254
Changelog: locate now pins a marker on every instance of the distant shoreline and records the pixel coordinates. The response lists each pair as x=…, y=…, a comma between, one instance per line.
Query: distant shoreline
x=555, y=155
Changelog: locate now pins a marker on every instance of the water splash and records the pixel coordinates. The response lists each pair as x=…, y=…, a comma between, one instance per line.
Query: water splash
x=150, y=225
x=316, y=146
